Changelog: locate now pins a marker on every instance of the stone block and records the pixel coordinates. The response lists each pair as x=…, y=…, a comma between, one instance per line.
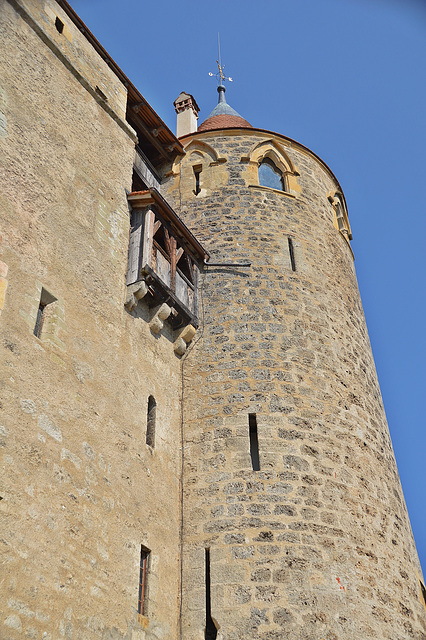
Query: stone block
x=180, y=346
x=130, y=302
x=3, y=287
x=184, y=338
x=3, y=269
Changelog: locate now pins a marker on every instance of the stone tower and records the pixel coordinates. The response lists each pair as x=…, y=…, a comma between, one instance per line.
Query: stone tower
x=186, y=451
x=295, y=524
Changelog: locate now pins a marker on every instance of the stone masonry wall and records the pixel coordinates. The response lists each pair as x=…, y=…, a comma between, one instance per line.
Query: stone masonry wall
x=81, y=491
x=316, y=544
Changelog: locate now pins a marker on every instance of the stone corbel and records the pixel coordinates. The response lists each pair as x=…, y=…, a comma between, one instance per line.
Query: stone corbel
x=183, y=339
x=161, y=314
x=134, y=293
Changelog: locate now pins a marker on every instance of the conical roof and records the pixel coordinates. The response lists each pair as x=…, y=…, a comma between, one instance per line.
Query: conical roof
x=223, y=116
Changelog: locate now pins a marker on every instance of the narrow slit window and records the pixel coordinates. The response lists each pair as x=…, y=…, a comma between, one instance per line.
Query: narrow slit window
x=291, y=251
x=137, y=183
x=39, y=321
x=45, y=300
x=211, y=630
x=59, y=25
x=254, y=442
x=197, y=174
x=150, y=421
x=143, y=581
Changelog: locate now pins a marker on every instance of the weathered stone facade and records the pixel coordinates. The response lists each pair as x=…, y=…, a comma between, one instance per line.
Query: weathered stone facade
x=81, y=490
x=316, y=543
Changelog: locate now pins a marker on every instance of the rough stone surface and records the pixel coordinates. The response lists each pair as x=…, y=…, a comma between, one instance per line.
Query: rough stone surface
x=317, y=543
x=81, y=490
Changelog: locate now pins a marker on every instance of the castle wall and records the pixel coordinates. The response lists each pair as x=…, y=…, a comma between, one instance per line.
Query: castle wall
x=81, y=489
x=317, y=543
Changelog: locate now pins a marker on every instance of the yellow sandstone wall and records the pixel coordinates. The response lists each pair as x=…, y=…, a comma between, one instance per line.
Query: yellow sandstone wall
x=81, y=490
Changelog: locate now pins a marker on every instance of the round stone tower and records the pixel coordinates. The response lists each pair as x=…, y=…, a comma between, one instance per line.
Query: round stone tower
x=294, y=521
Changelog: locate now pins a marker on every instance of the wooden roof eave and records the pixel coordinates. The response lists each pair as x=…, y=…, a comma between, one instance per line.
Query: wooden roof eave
x=153, y=129
x=141, y=199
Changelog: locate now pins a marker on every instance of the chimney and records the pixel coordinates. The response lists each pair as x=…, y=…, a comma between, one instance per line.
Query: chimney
x=187, y=114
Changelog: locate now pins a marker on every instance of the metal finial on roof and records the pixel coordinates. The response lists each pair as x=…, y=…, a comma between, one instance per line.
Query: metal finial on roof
x=220, y=76
x=223, y=115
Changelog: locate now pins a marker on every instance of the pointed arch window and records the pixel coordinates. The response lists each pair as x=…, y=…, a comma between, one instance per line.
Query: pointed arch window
x=270, y=176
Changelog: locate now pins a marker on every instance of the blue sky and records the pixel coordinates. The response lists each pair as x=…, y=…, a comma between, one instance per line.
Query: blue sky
x=347, y=79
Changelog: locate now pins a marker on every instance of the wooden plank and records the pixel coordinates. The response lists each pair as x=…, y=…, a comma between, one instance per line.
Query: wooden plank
x=148, y=236
x=172, y=244
x=140, y=199
x=135, y=247
x=167, y=241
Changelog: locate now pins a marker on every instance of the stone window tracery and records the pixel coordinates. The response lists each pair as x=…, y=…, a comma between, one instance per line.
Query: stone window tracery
x=270, y=167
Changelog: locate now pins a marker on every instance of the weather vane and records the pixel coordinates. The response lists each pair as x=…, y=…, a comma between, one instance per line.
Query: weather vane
x=220, y=75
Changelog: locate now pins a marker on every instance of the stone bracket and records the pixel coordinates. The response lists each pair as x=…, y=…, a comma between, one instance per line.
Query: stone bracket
x=161, y=314
x=134, y=293
x=184, y=338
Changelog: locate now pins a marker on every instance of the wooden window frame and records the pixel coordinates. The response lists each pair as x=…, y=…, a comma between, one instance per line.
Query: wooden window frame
x=143, y=580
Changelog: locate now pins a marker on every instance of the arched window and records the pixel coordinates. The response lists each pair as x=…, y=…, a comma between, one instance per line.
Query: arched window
x=341, y=220
x=150, y=421
x=270, y=175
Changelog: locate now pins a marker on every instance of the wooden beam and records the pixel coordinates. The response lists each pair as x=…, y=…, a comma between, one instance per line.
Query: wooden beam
x=142, y=126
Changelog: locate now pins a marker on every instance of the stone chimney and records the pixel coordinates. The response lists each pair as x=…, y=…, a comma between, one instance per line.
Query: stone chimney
x=187, y=114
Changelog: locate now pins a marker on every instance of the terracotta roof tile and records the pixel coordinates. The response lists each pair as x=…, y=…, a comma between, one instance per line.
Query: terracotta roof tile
x=224, y=121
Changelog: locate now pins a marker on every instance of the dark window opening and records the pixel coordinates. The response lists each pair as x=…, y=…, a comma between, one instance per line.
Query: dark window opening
x=143, y=581
x=39, y=321
x=270, y=175
x=137, y=183
x=185, y=266
x=150, y=421
x=59, y=25
x=211, y=630
x=197, y=173
x=291, y=251
x=161, y=237
x=45, y=299
x=254, y=442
